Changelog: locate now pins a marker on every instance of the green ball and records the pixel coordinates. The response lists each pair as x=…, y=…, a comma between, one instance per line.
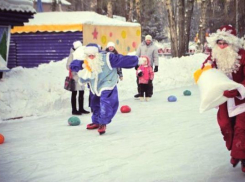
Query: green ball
x=74, y=121
x=187, y=93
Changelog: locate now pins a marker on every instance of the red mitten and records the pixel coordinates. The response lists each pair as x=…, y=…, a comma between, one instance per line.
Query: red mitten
x=230, y=93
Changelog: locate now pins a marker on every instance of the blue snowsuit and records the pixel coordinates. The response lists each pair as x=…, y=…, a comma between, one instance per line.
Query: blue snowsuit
x=104, y=97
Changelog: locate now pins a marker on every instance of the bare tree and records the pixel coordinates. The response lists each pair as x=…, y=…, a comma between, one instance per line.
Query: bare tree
x=99, y=7
x=138, y=14
x=109, y=9
x=93, y=5
x=179, y=19
x=188, y=15
x=180, y=27
x=54, y=5
x=172, y=28
x=240, y=17
x=78, y=5
x=203, y=20
x=130, y=11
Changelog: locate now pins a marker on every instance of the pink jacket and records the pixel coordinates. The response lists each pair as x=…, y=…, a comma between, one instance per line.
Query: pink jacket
x=148, y=73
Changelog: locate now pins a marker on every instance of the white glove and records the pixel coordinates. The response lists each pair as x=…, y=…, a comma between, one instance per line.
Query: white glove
x=141, y=61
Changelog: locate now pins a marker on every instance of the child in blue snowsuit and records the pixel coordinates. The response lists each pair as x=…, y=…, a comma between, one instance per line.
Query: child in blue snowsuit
x=100, y=72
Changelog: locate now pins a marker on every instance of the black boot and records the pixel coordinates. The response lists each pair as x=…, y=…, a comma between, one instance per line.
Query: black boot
x=81, y=102
x=74, y=103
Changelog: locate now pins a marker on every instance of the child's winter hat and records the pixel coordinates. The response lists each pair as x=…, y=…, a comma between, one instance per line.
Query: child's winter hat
x=226, y=33
x=110, y=44
x=91, y=49
x=148, y=37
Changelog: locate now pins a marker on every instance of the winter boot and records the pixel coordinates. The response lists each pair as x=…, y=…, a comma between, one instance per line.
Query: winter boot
x=136, y=96
x=75, y=112
x=243, y=165
x=102, y=129
x=141, y=99
x=234, y=161
x=92, y=126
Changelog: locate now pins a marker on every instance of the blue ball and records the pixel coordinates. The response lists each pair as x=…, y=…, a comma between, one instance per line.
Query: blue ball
x=172, y=98
x=74, y=121
x=187, y=93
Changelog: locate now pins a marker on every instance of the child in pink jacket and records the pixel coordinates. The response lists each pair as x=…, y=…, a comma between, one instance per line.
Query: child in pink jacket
x=146, y=75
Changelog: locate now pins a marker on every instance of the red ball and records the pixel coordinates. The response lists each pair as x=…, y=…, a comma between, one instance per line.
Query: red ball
x=125, y=109
x=1, y=138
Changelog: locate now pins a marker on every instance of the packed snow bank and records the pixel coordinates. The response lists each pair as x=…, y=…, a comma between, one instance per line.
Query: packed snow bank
x=37, y=91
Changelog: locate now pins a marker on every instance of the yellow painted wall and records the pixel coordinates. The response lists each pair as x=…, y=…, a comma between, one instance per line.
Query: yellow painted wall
x=126, y=39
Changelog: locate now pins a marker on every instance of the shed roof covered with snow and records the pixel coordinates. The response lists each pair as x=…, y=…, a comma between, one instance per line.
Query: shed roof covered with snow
x=15, y=12
x=52, y=34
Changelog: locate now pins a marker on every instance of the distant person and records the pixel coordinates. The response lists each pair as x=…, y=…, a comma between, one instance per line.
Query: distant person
x=99, y=71
x=111, y=48
x=147, y=48
x=79, y=88
x=228, y=56
x=199, y=47
x=145, y=75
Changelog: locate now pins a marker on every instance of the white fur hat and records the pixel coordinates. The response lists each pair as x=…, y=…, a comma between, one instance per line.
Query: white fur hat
x=91, y=50
x=148, y=37
x=110, y=44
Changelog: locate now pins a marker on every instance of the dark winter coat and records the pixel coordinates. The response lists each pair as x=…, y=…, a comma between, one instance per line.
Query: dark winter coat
x=119, y=70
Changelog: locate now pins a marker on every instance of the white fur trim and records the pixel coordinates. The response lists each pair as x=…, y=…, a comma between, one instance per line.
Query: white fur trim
x=78, y=53
x=226, y=36
x=81, y=83
x=234, y=110
x=108, y=60
x=91, y=50
x=241, y=90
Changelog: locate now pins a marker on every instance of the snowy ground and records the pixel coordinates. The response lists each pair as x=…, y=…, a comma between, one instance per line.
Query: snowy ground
x=158, y=141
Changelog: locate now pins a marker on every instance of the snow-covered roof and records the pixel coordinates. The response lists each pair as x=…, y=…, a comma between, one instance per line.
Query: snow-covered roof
x=50, y=1
x=76, y=17
x=17, y=5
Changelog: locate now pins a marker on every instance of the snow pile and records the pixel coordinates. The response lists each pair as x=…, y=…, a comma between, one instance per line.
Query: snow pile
x=38, y=91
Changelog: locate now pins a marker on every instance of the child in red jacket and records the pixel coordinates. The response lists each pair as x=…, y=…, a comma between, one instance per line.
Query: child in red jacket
x=146, y=75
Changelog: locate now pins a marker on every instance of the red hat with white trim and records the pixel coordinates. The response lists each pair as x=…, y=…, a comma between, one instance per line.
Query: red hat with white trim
x=226, y=33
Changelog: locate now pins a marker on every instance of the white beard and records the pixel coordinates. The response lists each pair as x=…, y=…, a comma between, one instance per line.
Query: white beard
x=95, y=65
x=226, y=59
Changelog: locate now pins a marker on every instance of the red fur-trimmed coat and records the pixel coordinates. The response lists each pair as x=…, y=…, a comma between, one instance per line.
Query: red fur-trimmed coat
x=231, y=114
x=238, y=77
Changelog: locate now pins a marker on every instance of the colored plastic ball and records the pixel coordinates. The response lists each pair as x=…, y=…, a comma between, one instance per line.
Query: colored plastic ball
x=1, y=139
x=172, y=98
x=187, y=93
x=125, y=109
x=74, y=121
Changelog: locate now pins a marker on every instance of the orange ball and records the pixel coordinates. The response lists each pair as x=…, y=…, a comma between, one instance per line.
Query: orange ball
x=1, y=138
